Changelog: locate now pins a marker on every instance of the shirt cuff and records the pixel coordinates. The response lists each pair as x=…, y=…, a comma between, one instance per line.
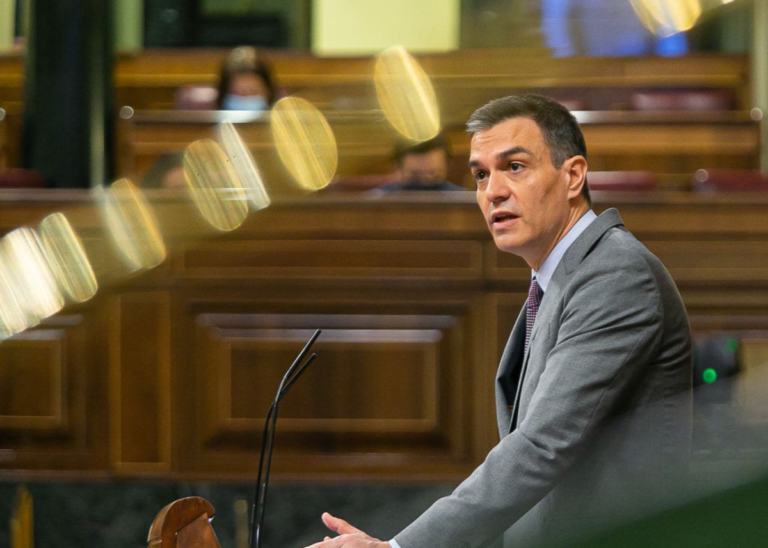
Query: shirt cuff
x=393, y=543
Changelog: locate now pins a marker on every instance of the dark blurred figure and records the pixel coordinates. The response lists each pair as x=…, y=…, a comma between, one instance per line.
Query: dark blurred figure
x=422, y=166
x=246, y=82
x=166, y=172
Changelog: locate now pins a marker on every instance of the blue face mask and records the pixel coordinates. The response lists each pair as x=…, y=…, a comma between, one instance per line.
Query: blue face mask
x=239, y=102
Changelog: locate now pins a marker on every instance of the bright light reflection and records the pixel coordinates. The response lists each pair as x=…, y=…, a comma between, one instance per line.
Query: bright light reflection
x=667, y=17
x=305, y=142
x=32, y=280
x=406, y=94
x=244, y=165
x=132, y=226
x=67, y=258
x=12, y=317
x=215, y=186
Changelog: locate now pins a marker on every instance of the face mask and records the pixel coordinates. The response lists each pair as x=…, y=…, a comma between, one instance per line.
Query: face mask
x=239, y=102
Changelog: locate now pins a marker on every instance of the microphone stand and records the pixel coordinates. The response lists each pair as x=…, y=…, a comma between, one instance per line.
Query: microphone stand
x=268, y=440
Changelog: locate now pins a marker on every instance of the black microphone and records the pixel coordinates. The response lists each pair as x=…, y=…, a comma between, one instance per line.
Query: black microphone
x=268, y=440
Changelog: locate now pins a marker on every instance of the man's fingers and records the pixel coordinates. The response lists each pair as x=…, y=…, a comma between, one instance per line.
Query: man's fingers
x=339, y=525
x=351, y=541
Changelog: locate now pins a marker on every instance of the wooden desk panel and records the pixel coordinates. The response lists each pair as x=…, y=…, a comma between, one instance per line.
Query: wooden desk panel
x=334, y=260
x=391, y=379
x=53, y=393
x=168, y=374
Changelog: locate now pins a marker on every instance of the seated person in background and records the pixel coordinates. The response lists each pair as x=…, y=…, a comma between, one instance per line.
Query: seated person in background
x=246, y=82
x=421, y=166
x=166, y=172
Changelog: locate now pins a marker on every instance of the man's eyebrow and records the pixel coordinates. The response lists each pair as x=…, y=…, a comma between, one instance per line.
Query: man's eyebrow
x=514, y=150
x=501, y=155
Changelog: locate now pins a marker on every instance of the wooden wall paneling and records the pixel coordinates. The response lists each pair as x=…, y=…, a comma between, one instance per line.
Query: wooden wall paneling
x=691, y=216
x=713, y=262
x=34, y=383
x=671, y=145
x=140, y=383
x=51, y=396
x=500, y=311
x=405, y=287
x=505, y=267
x=413, y=216
x=391, y=392
x=334, y=260
x=747, y=301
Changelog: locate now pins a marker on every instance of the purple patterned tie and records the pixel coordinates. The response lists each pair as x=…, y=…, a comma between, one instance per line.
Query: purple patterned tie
x=531, y=309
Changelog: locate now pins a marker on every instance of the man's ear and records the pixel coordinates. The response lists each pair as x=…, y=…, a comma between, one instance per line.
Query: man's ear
x=576, y=169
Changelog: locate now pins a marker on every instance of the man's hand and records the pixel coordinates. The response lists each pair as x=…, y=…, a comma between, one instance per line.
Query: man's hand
x=349, y=537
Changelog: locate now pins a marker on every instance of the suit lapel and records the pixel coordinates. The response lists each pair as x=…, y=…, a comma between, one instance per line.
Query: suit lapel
x=515, y=412
x=511, y=360
x=513, y=353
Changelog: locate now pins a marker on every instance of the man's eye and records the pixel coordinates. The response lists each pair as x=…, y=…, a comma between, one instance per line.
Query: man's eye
x=479, y=175
x=514, y=166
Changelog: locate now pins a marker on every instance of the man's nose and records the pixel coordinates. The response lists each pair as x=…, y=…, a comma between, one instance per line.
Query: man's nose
x=497, y=190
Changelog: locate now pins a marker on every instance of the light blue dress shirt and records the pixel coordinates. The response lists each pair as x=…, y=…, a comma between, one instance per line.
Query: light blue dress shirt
x=550, y=264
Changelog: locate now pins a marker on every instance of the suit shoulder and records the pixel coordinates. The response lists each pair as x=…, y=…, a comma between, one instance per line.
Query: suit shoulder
x=619, y=251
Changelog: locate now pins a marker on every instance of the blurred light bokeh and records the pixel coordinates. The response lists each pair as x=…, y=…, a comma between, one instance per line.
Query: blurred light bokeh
x=32, y=278
x=132, y=226
x=67, y=258
x=248, y=172
x=215, y=185
x=406, y=95
x=305, y=142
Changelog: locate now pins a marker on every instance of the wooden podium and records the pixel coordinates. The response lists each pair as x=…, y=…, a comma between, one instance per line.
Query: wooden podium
x=185, y=523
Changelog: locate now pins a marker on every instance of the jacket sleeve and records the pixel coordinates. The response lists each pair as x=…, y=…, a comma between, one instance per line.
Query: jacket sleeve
x=609, y=329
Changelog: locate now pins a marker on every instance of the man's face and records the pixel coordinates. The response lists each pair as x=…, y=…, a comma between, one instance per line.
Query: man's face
x=429, y=168
x=523, y=197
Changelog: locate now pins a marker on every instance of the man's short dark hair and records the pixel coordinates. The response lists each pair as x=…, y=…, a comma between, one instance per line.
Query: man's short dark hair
x=405, y=148
x=560, y=129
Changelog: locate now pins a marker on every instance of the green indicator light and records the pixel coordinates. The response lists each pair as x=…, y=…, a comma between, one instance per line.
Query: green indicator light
x=709, y=375
x=732, y=345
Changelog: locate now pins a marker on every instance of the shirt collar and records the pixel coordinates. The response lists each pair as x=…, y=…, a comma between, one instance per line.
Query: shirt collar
x=549, y=265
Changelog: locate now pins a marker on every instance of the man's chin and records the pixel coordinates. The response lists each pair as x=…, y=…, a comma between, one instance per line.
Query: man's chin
x=508, y=244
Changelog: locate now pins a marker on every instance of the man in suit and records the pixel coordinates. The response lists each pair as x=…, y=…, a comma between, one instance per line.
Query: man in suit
x=421, y=167
x=593, y=393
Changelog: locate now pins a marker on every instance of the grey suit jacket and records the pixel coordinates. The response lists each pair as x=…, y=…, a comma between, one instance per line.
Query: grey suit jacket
x=603, y=410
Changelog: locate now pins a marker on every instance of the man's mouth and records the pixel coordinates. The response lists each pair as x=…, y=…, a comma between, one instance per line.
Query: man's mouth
x=502, y=218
